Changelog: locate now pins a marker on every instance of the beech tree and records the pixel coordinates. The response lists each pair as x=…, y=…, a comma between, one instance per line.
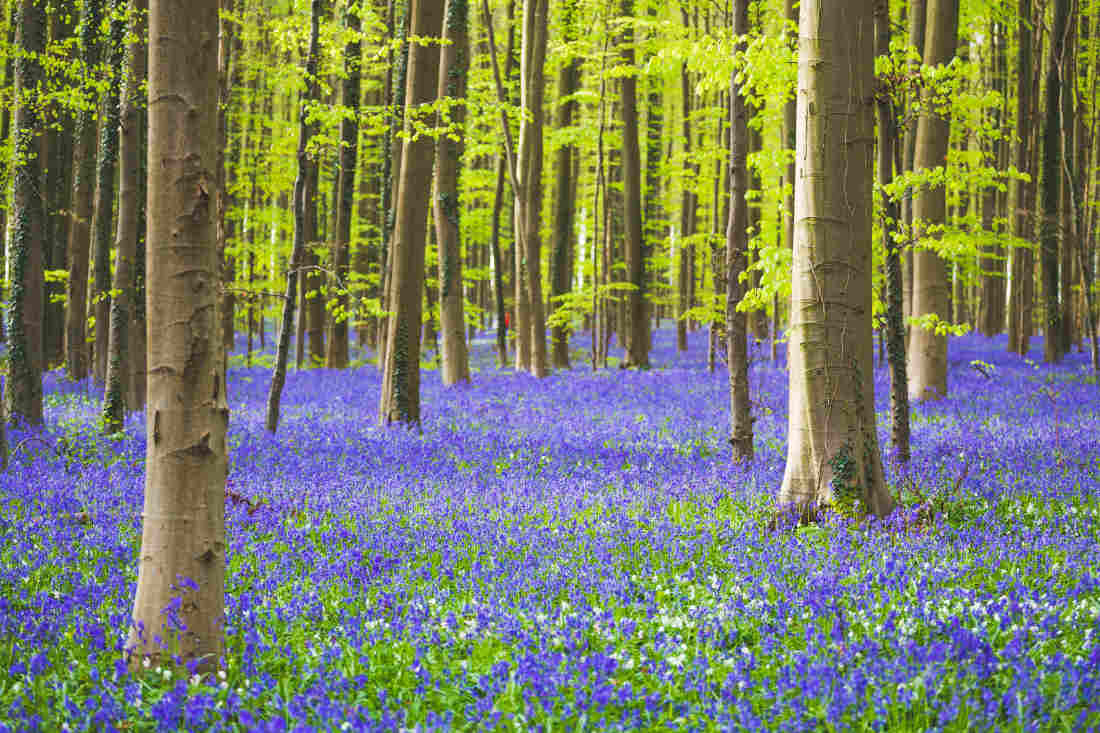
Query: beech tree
x=833, y=453
x=400, y=400
x=178, y=606
x=931, y=286
x=23, y=389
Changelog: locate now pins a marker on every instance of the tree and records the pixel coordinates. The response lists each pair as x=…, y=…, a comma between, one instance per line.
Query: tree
x=178, y=605
x=23, y=390
x=931, y=286
x=454, y=65
x=635, y=332
x=306, y=169
x=1021, y=281
x=76, y=315
x=400, y=399
x=737, y=250
x=121, y=393
x=337, y=354
x=833, y=454
x=1050, y=184
x=107, y=162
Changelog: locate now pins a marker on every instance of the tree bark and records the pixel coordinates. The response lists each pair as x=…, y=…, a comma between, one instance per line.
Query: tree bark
x=298, y=248
x=833, y=453
x=102, y=223
x=120, y=394
x=178, y=606
x=80, y=237
x=1020, y=284
x=337, y=355
x=1050, y=186
x=400, y=400
x=687, y=214
x=23, y=390
x=891, y=221
x=561, y=261
x=931, y=286
x=917, y=22
x=635, y=332
x=737, y=250
x=454, y=64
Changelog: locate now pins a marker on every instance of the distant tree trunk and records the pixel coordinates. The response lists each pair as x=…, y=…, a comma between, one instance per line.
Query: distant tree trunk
x=102, y=229
x=833, y=453
x=1050, y=186
x=891, y=221
x=529, y=176
x=76, y=314
x=561, y=267
x=178, y=610
x=500, y=284
x=120, y=394
x=931, y=287
x=297, y=253
x=654, y=216
x=737, y=250
x=1019, y=312
x=992, y=313
x=789, y=130
x=400, y=400
x=23, y=390
x=635, y=332
x=338, y=348
x=918, y=17
x=687, y=215
x=454, y=63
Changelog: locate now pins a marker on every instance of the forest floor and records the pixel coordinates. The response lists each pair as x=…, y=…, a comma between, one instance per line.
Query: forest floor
x=577, y=553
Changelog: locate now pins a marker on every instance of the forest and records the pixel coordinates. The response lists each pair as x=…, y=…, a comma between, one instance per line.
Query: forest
x=549, y=365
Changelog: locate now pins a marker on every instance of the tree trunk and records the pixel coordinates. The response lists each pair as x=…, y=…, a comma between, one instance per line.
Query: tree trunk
x=654, y=217
x=917, y=21
x=102, y=229
x=891, y=221
x=1050, y=186
x=229, y=76
x=76, y=292
x=23, y=390
x=1019, y=312
x=454, y=63
x=119, y=395
x=298, y=248
x=687, y=215
x=530, y=314
x=992, y=310
x=833, y=453
x=737, y=250
x=931, y=286
x=400, y=401
x=178, y=606
x=637, y=325
x=338, y=349
x=561, y=270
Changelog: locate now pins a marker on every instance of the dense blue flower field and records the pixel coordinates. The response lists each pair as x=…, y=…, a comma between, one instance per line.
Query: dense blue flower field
x=577, y=553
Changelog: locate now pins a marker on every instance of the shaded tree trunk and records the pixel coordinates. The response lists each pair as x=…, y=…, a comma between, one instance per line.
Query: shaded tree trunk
x=23, y=388
x=183, y=532
x=102, y=223
x=120, y=394
x=338, y=349
x=1020, y=296
x=80, y=236
x=635, y=332
x=737, y=249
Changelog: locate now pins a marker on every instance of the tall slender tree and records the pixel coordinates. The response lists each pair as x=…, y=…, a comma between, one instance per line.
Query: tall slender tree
x=635, y=332
x=931, y=285
x=400, y=399
x=454, y=65
x=337, y=354
x=1022, y=265
x=833, y=453
x=178, y=606
x=298, y=248
x=23, y=389
x=1050, y=185
x=77, y=251
x=737, y=249
x=120, y=394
